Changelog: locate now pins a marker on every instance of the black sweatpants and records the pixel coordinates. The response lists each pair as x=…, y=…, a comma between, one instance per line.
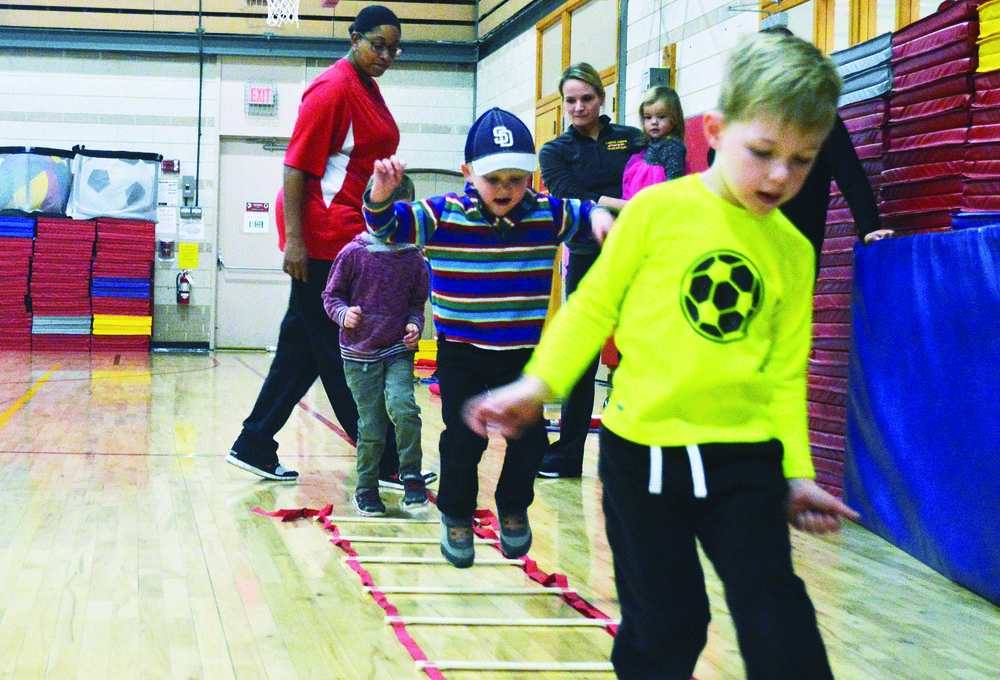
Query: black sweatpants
x=464, y=371
x=654, y=517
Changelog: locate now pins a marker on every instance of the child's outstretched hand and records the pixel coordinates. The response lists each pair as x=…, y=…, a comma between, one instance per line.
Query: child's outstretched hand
x=386, y=177
x=352, y=317
x=412, y=337
x=601, y=221
x=511, y=409
x=813, y=510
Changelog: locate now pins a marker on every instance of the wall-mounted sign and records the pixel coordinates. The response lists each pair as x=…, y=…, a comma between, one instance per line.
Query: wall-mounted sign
x=255, y=218
x=260, y=99
x=260, y=94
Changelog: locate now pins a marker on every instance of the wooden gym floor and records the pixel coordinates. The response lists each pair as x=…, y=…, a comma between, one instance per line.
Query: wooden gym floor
x=130, y=549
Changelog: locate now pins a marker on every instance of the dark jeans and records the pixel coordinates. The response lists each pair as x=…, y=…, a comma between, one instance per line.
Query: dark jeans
x=308, y=347
x=464, y=371
x=578, y=408
x=742, y=527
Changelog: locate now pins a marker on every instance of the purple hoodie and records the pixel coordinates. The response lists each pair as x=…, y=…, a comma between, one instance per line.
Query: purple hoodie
x=389, y=282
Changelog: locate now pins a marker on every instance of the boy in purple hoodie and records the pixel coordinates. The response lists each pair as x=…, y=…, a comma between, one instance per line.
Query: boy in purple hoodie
x=376, y=293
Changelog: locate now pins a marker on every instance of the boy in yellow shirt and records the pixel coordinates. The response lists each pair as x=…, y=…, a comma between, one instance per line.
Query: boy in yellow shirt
x=708, y=290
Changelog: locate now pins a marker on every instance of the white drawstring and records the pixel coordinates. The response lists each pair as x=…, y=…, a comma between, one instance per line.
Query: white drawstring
x=655, y=470
x=697, y=471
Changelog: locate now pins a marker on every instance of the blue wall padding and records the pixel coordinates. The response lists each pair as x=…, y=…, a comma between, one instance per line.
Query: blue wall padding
x=922, y=464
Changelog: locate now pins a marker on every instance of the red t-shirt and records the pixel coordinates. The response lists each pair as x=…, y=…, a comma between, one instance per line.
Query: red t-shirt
x=342, y=128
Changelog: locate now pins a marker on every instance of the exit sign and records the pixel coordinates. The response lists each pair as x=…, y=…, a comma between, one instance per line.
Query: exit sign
x=260, y=95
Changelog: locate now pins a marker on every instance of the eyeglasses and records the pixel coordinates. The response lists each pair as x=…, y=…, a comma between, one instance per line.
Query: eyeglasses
x=380, y=47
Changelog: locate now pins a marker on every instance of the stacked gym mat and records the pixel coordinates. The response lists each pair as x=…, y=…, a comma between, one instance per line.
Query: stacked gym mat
x=16, y=240
x=121, y=288
x=866, y=69
x=981, y=192
x=867, y=74
x=930, y=145
x=59, y=272
x=934, y=60
x=60, y=284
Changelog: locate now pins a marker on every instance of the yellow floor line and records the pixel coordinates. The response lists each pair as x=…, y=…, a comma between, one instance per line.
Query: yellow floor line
x=27, y=395
x=184, y=439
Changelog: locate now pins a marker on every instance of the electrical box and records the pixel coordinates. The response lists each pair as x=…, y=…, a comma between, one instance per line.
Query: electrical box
x=187, y=186
x=655, y=77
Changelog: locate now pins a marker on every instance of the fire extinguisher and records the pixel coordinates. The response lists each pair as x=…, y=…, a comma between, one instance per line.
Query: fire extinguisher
x=183, y=288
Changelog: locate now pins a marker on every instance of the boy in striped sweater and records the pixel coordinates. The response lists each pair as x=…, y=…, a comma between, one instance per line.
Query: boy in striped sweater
x=490, y=251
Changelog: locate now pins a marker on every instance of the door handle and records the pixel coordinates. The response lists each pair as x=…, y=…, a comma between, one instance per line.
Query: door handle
x=221, y=264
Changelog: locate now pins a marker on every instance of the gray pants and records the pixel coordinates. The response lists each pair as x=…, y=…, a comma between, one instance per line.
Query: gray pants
x=383, y=391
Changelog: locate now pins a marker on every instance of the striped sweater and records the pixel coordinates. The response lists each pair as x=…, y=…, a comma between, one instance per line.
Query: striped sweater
x=491, y=279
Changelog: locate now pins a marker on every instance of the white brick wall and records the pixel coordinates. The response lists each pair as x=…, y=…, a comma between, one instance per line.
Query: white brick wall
x=506, y=79
x=137, y=103
x=704, y=30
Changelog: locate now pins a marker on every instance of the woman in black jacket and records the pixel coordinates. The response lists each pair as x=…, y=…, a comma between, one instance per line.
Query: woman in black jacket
x=586, y=162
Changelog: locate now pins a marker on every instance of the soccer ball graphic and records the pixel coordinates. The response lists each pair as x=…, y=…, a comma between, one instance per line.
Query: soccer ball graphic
x=113, y=187
x=720, y=294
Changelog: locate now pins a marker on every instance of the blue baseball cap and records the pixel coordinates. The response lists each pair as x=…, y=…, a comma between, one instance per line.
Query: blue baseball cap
x=499, y=140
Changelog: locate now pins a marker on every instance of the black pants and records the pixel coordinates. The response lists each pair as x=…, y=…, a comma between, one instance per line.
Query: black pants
x=578, y=408
x=464, y=371
x=742, y=527
x=308, y=347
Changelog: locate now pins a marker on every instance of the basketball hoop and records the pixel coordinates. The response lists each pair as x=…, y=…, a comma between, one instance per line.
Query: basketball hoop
x=280, y=12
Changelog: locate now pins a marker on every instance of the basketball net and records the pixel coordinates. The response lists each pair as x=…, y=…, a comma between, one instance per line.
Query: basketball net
x=280, y=12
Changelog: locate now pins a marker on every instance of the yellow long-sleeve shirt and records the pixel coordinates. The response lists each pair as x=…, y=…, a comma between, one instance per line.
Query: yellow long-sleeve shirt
x=711, y=309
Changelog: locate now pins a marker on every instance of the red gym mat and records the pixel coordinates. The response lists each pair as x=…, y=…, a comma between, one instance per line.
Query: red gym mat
x=934, y=186
x=916, y=173
x=865, y=122
x=909, y=223
x=949, y=120
x=867, y=107
x=963, y=33
x=933, y=74
x=929, y=140
x=941, y=55
x=937, y=154
x=953, y=85
x=922, y=204
x=965, y=10
x=930, y=107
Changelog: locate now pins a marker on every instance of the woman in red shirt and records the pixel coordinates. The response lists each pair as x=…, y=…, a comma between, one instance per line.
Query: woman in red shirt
x=343, y=126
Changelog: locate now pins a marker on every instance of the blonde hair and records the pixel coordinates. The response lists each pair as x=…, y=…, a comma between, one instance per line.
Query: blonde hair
x=583, y=72
x=783, y=76
x=668, y=97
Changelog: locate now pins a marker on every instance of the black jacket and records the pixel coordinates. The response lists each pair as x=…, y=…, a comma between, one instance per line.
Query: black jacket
x=576, y=166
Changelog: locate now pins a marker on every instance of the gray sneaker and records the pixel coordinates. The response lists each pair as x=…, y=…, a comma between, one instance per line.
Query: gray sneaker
x=515, y=535
x=414, y=492
x=368, y=503
x=456, y=541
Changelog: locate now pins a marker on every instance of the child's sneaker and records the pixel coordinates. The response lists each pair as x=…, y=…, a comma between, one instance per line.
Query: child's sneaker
x=414, y=492
x=515, y=535
x=368, y=503
x=456, y=542
x=396, y=484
